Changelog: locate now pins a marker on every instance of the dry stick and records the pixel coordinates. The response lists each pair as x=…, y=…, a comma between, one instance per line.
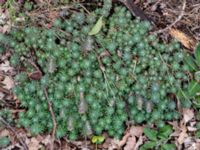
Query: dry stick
x=15, y=132
x=135, y=10
x=33, y=64
x=53, y=119
x=177, y=20
x=3, y=90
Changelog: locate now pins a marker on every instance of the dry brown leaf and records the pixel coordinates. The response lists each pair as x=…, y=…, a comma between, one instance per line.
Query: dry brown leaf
x=123, y=141
x=188, y=114
x=107, y=143
x=182, y=136
x=6, y=28
x=116, y=144
x=130, y=144
x=136, y=131
x=6, y=67
x=5, y=23
x=8, y=83
x=139, y=142
x=187, y=41
x=34, y=144
x=190, y=143
x=1, y=95
x=4, y=132
x=197, y=142
x=46, y=140
x=191, y=129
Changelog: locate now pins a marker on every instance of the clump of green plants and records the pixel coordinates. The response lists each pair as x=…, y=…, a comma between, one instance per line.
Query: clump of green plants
x=99, y=70
x=158, y=139
x=190, y=93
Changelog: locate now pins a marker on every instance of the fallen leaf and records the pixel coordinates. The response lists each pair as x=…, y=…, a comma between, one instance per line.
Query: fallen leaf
x=190, y=143
x=130, y=144
x=191, y=129
x=124, y=140
x=6, y=28
x=1, y=95
x=139, y=142
x=6, y=67
x=8, y=83
x=107, y=143
x=188, y=114
x=136, y=131
x=4, y=132
x=97, y=27
x=46, y=140
x=182, y=136
x=187, y=41
x=34, y=144
x=197, y=142
x=115, y=144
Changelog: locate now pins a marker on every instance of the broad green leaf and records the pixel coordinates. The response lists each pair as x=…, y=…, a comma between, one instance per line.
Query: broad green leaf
x=148, y=145
x=98, y=139
x=197, y=54
x=101, y=139
x=97, y=27
x=190, y=62
x=94, y=139
x=165, y=132
x=169, y=147
x=193, y=88
x=151, y=134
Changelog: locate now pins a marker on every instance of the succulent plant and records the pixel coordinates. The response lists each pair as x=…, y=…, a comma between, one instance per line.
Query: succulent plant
x=96, y=82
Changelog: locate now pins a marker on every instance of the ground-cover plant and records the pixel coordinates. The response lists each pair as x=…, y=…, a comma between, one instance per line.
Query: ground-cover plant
x=190, y=94
x=158, y=139
x=99, y=69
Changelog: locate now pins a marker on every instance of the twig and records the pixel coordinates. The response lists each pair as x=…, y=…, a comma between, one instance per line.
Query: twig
x=84, y=8
x=3, y=90
x=33, y=64
x=53, y=119
x=15, y=132
x=182, y=13
x=135, y=10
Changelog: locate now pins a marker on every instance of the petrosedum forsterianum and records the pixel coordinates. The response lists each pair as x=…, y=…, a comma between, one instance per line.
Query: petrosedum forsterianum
x=95, y=82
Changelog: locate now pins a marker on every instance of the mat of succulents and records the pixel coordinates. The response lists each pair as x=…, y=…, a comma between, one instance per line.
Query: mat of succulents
x=98, y=75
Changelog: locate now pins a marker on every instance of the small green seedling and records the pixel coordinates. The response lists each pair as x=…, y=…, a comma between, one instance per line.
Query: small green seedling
x=98, y=139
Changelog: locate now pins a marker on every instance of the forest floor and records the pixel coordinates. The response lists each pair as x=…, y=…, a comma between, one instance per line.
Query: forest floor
x=179, y=19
